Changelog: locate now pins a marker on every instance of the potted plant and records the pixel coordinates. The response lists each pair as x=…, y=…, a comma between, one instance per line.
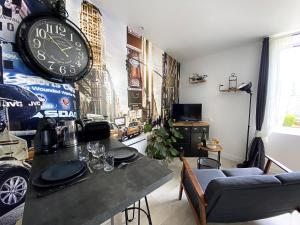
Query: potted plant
x=160, y=145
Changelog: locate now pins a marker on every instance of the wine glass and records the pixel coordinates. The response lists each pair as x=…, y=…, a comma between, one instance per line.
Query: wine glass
x=83, y=154
x=98, y=154
x=108, y=161
x=92, y=147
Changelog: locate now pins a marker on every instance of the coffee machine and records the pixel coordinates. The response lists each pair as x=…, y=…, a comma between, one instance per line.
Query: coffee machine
x=46, y=138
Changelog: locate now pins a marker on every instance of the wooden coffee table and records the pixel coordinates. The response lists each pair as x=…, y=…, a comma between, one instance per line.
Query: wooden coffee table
x=217, y=149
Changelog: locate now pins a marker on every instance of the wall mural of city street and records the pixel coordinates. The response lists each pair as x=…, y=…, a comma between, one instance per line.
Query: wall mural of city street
x=132, y=81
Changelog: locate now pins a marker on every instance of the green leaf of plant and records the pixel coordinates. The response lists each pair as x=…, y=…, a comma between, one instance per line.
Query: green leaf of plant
x=174, y=152
x=160, y=146
x=159, y=139
x=176, y=134
x=170, y=123
x=173, y=139
x=162, y=133
x=147, y=128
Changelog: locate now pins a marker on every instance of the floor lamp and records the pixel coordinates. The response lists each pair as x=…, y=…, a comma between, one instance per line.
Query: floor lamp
x=247, y=89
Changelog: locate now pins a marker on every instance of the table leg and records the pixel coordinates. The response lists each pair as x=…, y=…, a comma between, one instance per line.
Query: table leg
x=147, y=213
x=219, y=157
x=112, y=221
x=139, y=213
x=126, y=216
x=116, y=219
x=148, y=210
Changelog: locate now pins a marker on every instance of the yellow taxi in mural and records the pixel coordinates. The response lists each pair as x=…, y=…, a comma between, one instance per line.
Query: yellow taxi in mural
x=115, y=131
x=133, y=129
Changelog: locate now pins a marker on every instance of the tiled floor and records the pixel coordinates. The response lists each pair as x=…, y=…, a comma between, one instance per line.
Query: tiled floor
x=167, y=210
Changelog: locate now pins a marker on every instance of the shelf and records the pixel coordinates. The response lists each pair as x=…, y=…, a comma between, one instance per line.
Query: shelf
x=197, y=82
x=230, y=90
x=197, y=79
x=190, y=123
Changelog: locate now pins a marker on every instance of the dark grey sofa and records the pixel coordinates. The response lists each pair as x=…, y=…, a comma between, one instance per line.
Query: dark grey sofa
x=241, y=194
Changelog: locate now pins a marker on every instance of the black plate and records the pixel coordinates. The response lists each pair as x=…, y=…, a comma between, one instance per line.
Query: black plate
x=62, y=171
x=124, y=153
x=130, y=158
x=39, y=183
x=134, y=157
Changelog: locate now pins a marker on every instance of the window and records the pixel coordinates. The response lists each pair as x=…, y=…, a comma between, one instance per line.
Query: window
x=283, y=100
x=290, y=99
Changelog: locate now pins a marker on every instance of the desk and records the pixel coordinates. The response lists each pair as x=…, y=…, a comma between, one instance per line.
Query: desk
x=98, y=198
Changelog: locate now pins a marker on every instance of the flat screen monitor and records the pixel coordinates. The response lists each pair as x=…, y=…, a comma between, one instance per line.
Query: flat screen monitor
x=187, y=112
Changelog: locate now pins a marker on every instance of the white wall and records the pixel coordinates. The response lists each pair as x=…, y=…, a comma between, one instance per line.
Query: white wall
x=227, y=113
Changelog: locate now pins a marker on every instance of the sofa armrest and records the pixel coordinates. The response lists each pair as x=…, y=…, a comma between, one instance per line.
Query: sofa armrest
x=269, y=163
x=186, y=169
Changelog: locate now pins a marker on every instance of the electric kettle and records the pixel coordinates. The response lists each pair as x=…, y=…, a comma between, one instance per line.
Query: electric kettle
x=68, y=129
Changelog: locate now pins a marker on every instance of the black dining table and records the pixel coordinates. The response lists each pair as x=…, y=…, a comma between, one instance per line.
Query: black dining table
x=98, y=198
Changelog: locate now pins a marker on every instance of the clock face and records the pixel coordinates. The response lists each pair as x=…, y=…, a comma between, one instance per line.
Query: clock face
x=57, y=49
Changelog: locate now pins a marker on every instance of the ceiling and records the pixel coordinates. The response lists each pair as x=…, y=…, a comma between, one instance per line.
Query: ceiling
x=187, y=29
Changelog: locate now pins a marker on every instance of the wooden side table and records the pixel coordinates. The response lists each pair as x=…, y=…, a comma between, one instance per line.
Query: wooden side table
x=217, y=149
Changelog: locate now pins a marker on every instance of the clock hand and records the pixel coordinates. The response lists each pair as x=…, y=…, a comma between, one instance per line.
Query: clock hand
x=52, y=39
x=64, y=49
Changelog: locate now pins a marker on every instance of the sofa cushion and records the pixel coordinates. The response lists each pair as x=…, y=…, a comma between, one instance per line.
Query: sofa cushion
x=243, y=172
x=204, y=176
x=241, y=182
x=289, y=178
x=242, y=198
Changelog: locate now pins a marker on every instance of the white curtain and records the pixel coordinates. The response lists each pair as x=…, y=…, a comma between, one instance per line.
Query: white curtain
x=277, y=85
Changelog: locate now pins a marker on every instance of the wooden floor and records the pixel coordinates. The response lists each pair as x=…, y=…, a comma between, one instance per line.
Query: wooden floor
x=166, y=209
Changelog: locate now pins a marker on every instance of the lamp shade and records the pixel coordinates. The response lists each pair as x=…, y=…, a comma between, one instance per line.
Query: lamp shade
x=246, y=87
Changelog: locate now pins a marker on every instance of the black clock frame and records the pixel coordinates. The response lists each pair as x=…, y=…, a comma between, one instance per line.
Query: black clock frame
x=22, y=45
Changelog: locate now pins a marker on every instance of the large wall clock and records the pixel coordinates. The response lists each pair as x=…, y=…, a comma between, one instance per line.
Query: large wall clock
x=54, y=48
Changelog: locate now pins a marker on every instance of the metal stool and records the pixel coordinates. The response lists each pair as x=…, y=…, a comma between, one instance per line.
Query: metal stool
x=133, y=208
